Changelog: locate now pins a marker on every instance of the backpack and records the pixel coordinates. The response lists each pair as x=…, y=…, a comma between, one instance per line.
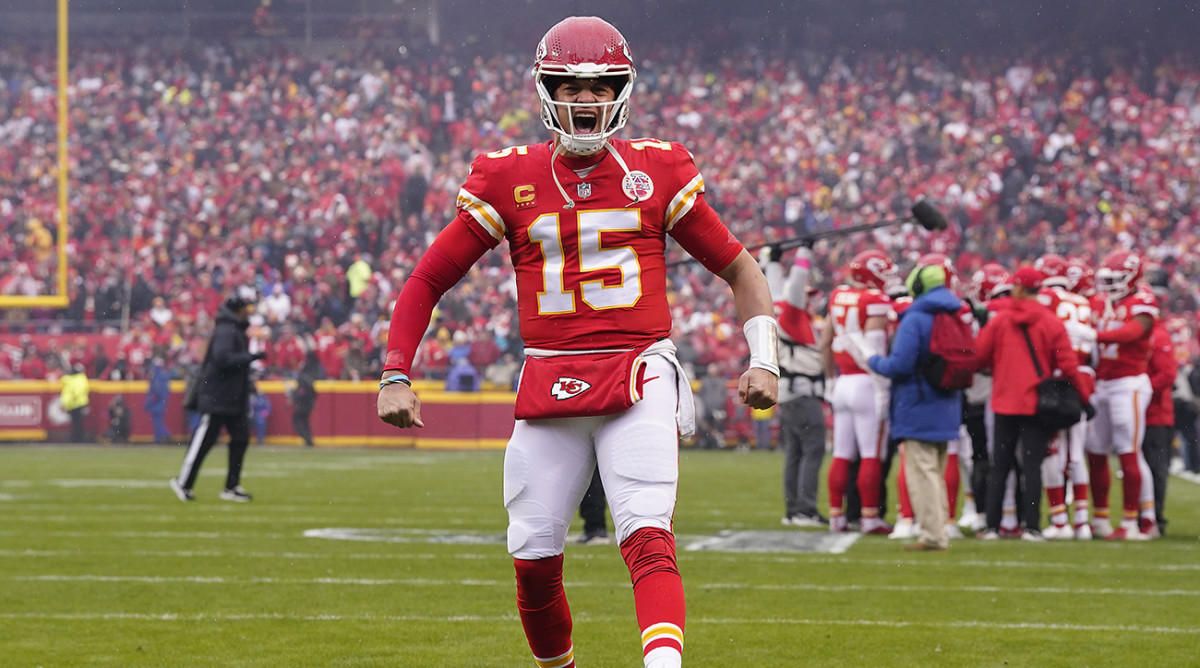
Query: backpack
x=950, y=364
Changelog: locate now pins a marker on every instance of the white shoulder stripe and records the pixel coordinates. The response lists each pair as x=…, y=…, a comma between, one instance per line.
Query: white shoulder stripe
x=483, y=213
x=683, y=201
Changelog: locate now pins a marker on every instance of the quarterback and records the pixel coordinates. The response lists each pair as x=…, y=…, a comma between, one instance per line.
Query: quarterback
x=586, y=216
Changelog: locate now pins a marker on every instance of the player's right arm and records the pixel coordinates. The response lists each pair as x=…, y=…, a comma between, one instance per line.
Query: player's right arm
x=448, y=259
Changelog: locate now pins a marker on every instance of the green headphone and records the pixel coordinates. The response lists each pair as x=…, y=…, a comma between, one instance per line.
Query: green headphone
x=925, y=277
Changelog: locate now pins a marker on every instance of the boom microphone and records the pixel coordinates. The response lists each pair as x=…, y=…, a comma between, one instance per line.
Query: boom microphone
x=929, y=217
x=923, y=213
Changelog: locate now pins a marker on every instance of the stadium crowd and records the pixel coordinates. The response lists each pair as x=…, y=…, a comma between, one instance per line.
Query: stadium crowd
x=319, y=178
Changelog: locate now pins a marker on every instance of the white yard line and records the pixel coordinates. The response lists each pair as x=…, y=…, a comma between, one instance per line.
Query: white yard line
x=430, y=582
x=778, y=621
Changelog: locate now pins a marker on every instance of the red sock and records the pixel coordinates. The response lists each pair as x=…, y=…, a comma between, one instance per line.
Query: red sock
x=1101, y=481
x=657, y=588
x=839, y=474
x=544, y=611
x=952, y=482
x=1056, y=498
x=903, y=500
x=1131, y=484
x=869, y=475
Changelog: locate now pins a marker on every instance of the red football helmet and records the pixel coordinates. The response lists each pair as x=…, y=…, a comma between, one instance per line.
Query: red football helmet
x=1054, y=270
x=939, y=259
x=1081, y=278
x=990, y=281
x=872, y=269
x=1119, y=273
x=584, y=47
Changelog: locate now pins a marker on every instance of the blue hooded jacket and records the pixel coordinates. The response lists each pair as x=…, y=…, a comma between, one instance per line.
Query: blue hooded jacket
x=919, y=410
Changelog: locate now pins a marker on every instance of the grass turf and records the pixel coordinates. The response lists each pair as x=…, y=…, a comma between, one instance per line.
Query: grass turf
x=100, y=565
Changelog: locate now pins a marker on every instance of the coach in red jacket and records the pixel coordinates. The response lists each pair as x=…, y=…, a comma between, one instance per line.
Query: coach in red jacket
x=1160, y=416
x=1002, y=347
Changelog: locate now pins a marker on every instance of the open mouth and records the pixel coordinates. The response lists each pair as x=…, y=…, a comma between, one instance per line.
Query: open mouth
x=585, y=122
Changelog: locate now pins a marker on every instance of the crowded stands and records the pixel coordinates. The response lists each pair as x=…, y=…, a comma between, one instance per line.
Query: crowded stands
x=319, y=177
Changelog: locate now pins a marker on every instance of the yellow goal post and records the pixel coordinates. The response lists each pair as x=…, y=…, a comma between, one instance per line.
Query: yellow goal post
x=60, y=299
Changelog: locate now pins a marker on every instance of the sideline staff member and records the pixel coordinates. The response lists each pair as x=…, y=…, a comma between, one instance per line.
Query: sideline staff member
x=1002, y=347
x=223, y=398
x=924, y=416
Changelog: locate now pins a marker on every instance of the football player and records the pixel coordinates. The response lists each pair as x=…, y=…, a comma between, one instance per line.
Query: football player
x=1066, y=457
x=1123, y=392
x=859, y=399
x=586, y=216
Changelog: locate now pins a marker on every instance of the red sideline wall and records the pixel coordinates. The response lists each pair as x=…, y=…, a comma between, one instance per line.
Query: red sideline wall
x=344, y=415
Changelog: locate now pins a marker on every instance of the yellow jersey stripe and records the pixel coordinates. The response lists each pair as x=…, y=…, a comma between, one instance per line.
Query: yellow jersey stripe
x=634, y=394
x=483, y=213
x=683, y=201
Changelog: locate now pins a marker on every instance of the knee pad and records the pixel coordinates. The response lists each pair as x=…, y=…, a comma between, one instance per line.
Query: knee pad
x=525, y=541
x=531, y=531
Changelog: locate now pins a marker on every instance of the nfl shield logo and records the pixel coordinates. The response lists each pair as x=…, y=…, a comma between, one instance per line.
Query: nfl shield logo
x=583, y=190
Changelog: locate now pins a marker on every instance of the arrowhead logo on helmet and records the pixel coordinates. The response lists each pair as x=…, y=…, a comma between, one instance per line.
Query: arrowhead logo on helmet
x=566, y=387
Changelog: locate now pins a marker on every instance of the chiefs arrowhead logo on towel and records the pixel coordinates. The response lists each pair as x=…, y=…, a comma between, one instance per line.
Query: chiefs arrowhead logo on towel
x=604, y=383
x=565, y=388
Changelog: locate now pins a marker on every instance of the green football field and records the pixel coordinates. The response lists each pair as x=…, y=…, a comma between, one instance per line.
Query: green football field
x=357, y=557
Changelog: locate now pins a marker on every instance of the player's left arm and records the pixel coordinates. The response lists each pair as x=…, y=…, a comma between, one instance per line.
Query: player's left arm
x=1133, y=329
x=699, y=230
x=759, y=385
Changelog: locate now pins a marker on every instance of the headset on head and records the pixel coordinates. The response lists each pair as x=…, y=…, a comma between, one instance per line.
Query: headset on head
x=916, y=282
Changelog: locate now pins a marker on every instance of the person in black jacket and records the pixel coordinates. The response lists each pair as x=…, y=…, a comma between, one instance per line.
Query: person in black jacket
x=222, y=399
x=303, y=398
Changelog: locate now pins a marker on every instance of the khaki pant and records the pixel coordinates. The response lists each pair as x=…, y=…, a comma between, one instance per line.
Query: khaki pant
x=925, y=468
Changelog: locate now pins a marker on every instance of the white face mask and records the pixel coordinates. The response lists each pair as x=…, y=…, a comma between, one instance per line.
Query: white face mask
x=612, y=116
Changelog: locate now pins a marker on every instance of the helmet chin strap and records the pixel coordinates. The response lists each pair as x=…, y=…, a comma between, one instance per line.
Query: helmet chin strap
x=560, y=150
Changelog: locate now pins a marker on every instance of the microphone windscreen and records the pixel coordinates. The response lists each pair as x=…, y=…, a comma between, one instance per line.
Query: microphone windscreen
x=929, y=217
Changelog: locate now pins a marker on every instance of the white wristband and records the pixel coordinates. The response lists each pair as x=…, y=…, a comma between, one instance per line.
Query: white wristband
x=762, y=333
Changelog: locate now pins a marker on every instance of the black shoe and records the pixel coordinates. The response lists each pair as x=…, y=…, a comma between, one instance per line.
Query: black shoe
x=595, y=538
x=803, y=520
x=236, y=494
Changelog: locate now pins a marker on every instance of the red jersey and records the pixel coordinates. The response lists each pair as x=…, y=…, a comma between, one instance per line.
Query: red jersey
x=1076, y=312
x=849, y=308
x=592, y=276
x=1162, y=369
x=1119, y=360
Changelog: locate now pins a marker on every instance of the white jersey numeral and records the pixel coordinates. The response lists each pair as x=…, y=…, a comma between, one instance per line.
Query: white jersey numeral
x=593, y=256
x=845, y=319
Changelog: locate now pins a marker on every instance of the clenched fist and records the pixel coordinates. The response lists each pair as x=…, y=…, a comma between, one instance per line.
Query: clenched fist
x=399, y=406
x=758, y=388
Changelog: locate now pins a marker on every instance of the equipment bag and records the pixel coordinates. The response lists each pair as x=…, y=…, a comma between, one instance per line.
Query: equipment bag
x=950, y=364
x=1058, y=402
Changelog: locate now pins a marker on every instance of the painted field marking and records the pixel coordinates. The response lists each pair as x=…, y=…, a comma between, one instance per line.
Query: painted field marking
x=469, y=619
x=430, y=582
